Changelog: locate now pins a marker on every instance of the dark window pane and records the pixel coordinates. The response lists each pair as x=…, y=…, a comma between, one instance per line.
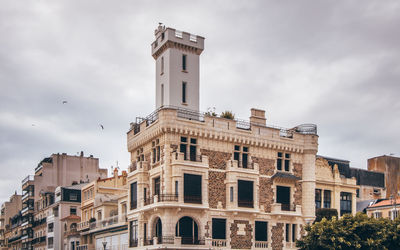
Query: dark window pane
x=244, y=159
x=287, y=156
x=193, y=141
x=219, y=228
x=192, y=153
x=157, y=186
x=192, y=188
x=184, y=92
x=282, y=195
x=261, y=231
x=279, y=164
x=287, y=232
x=133, y=195
x=183, y=150
x=183, y=62
x=287, y=164
x=245, y=149
x=293, y=232
x=236, y=156
x=245, y=193
x=279, y=154
x=237, y=148
x=183, y=139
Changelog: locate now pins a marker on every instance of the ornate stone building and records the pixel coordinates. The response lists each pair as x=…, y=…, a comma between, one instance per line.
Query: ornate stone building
x=199, y=181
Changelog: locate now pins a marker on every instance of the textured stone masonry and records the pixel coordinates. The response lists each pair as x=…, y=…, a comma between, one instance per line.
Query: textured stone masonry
x=266, y=194
x=216, y=189
x=216, y=159
x=266, y=166
x=277, y=236
x=241, y=241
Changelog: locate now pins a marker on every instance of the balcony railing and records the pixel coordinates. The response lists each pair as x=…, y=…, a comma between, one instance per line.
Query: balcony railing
x=261, y=244
x=307, y=129
x=26, y=179
x=82, y=247
x=192, y=241
x=24, y=210
x=148, y=242
x=72, y=231
x=39, y=222
x=83, y=225
x=108, y=222
x=249, y=204
x=196, y=199
x=288, y=207
x=39, y=240
x=218, y=243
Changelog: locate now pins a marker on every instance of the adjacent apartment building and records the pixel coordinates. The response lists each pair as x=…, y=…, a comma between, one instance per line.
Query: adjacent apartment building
x=199, y=181
x=30, y=227
x=9, y=210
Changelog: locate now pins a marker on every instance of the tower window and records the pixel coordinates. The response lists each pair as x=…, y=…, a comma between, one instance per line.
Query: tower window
x=162, y=65
x=184, y=62
x=162, y=94
x=240, y=154
x=283, y=159
x=184, y=92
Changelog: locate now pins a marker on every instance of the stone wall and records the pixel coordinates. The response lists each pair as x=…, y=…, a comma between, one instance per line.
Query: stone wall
x=216, y=189
x=240, y=239
x=266, y=166
x=266, y=194
x=216, y=159
x=277, y=236
x=298, y=171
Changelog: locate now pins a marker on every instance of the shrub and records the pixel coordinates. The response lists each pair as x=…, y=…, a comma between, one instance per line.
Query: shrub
x=327, y=213
x=228, y=115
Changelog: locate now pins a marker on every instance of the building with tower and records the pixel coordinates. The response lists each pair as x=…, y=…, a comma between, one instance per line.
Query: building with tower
x=198, y=181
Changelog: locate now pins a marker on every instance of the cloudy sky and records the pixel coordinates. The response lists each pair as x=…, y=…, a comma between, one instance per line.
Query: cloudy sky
x=335, y=64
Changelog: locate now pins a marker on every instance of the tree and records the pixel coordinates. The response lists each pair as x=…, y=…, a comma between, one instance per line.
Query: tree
x=352, y=232
x=327, y=213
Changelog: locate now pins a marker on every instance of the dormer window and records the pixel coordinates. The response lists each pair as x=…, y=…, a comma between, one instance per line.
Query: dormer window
x=283, y=162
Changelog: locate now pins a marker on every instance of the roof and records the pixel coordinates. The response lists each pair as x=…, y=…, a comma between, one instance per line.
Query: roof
x=77, y=186
x=71, y=217
x=384, y=203
x=363, y=176
x=362, y=205
x=285, y=176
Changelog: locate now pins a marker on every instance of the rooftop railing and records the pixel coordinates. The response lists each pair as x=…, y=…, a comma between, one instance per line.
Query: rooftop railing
x=307, y=129
x=28, y=178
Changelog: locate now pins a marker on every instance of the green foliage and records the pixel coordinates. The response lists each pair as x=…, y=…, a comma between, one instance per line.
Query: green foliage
x=327, y=213
x=228, y=115
x=92, y=220
x=352, y=232
x=211, y=112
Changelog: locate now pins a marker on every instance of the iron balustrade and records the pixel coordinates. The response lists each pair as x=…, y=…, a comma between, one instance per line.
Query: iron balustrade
x=166, y=240
x=192, y=241
x=242, y=203
x=192, y=199
x=288, y=207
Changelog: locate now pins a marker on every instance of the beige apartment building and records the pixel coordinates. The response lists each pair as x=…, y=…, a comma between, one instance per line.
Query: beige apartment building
x=334, y=190
x=388, y=208
x=103, y=207
x=8, y=210
x=198, y=181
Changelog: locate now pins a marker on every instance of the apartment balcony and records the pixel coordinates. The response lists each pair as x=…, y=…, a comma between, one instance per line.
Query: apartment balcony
x=82, y=247
x=28, y=195
x=179, y=158
x=26, y=209
x=71, y=232
x=139, y=165
x=39, y=240
x=240, y=166
x=83, y=225
x=288, y=209
x=115, y=221
x=39, y=222
x=261, y=244
x=15, y=238
x=27, y=181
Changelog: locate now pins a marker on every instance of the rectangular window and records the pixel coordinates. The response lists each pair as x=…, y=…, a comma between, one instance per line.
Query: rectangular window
x=145, y=195
x=156, y=150
x=261, y=231
x=327, y=199
x=245, y=193
x=184, y=62
x=345, y=203
x=140, y=155
x=73, y=196
x=183, y=92
x=287, y=232
x=294, y=232
x=133, y=235
x=283, y=159
x=72, y=210
x=192, y=188
x=219, y=228
x=133, y=195
x=231, y=194
x=162, y=94
x=162, y=65
x=283, y=197
x=157, y=186
x=192, y=148
x=317, y=198
x=176, y=188
x=241, y=155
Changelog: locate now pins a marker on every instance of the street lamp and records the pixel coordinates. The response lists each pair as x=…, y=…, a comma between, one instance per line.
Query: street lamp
x=104, y=243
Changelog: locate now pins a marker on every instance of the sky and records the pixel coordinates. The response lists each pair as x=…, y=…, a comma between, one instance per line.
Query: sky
x=332, y=63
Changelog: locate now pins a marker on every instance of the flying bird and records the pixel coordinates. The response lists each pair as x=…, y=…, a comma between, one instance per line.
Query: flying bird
x=33, y=125
x=65, y=102
x=102, y=127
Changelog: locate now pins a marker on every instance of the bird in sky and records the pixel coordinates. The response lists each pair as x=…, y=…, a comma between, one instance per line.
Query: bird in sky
x=65, y=102
x=33, y=125
x=102, y=127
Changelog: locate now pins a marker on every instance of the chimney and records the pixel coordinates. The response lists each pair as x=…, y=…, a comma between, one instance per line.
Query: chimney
x=258, y=117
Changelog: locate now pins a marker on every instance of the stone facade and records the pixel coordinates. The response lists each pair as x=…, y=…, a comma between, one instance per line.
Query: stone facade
x=216, y=159
x=217, y=189
x=277, y=236
x=266, y=166
x=241, y=234
x=266, y=194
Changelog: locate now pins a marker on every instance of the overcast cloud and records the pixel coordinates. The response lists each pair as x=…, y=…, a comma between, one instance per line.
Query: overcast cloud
x=332, y=63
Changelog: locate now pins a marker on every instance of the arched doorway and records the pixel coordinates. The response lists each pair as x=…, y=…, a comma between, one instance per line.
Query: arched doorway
x=158, y=229
x=187, y=229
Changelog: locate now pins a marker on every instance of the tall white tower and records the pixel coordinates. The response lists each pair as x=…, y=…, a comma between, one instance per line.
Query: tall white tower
x=177, y=56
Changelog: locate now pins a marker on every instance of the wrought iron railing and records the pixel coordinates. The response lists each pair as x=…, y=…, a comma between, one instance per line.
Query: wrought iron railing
x=288, y=207
x=192, y=199
x=192, y=241
x=243, y=203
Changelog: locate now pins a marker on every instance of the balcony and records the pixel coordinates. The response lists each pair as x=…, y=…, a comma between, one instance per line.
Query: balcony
x=15, y=238
x=83, y=225
x=161, y=198
x=39, y=222
x=261, y=244
x=114, y=221
x=71, y=232
x=139, y=165
x=82, y=247
x=39, y=240
x=26, y=209
x=289, y=209
x=246, y=204
x=26, y=179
